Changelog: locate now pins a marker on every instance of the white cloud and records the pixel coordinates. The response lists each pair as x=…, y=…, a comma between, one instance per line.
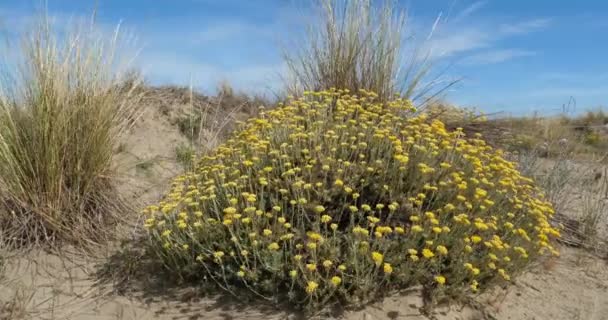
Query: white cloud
x=472, y=8
x=230, y=30
x=496, y=56
x=169, y=68
x=524, y=27
x=447, y=44
x=466, y=40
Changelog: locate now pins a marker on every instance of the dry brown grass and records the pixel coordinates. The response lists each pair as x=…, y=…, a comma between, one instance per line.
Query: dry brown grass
x=359, y=45
x=61, y=112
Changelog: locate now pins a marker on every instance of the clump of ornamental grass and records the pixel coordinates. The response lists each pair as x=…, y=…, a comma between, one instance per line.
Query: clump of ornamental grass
x=359, y=44
x=339, y=198
x=62, y=107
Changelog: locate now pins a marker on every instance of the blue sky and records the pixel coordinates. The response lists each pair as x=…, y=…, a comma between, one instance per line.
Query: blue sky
x=515, y=56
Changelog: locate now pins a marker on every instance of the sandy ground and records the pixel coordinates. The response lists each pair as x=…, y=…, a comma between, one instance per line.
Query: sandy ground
x=47, y=286
x=40, y=285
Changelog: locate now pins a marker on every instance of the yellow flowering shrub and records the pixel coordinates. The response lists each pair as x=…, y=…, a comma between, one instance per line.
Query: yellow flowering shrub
x=336, y=197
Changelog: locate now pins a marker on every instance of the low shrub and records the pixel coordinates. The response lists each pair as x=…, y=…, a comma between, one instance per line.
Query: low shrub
x=338, y=197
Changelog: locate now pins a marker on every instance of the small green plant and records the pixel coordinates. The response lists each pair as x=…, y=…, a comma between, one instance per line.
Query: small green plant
x=185, y=156
x=61, y=114
x=592, y=138
x=339, y=198
x=190, y=125
x=594, y=212
x=145, y=165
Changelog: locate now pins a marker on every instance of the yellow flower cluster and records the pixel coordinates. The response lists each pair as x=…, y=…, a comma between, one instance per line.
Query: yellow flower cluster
x=336, y=194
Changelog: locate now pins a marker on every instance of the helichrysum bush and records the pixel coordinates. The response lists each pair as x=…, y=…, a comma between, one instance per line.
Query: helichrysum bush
x=339, y=198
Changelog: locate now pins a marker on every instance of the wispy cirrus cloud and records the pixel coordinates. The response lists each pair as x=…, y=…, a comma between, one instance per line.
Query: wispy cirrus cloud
x=496, y=56
x=468, y=11
x=478, y=43
x=231, y=30
x=524, y=27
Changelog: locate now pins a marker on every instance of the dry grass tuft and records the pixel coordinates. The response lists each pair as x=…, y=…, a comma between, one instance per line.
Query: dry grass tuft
x=61, y=112
x=357, y=45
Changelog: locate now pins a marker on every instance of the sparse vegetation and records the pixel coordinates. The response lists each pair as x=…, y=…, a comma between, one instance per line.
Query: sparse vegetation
x=341, y=198
x=579, y=137
x=60, y=115
x=145, y=165
x=185, y=155
x=356, y=45
x=344, y=193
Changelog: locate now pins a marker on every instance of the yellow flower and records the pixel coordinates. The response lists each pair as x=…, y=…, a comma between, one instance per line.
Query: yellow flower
x=273, y=246
x=377, y=257
x=440, y=280
x=293, y=273
x=474, y=286
x=311, y=286
x=476, y=239
x=325, y=218
x=388, y=269
x=335, y=281
x=319, y=209
x=230, y=210
x=480, y=193
x=240, y=273
x=327, y=263
x=342, y=267
x=339, y=183
x=314, y=236
x=267, y=232
x=442, y=250
x=427, y=253
x=504, y=274
x=311, y=267
x=417, y=228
